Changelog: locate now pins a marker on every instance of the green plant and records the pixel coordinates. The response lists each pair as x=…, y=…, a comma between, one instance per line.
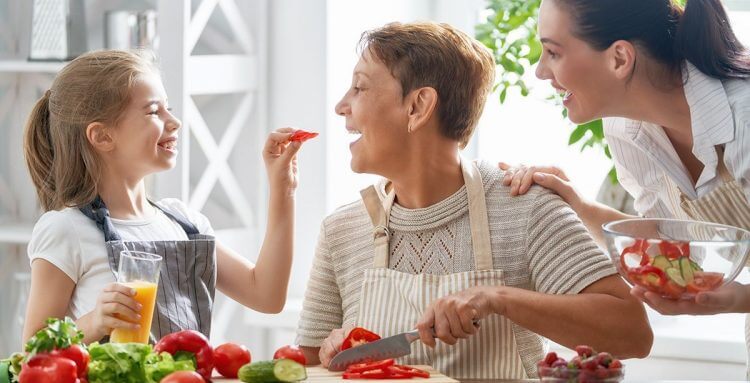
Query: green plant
x=510, y=32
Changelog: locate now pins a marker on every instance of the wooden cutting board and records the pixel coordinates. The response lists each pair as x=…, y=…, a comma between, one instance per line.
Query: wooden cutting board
x=321, y=375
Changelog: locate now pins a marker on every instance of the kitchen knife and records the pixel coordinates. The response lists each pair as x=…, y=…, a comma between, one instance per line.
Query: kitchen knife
x=386, y=348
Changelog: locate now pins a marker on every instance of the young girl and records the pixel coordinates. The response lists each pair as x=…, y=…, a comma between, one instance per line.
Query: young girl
x=90, y=141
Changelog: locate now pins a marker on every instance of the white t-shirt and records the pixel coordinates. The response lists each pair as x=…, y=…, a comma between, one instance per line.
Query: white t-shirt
x=74, y=244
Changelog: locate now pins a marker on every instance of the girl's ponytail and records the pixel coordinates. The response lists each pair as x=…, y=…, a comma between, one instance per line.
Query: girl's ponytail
x=39, y=151
x=705, y=38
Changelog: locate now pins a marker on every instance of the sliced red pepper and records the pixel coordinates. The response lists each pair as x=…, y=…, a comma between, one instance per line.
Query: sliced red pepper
x=357, y=337
x=646, y=274
x=639, y=248
x=192, y=342
x=371, y=374
x=362, y=367
x=302, y=136
x=408, y=371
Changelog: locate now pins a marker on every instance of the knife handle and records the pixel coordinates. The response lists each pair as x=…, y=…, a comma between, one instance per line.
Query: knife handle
x=413, y=335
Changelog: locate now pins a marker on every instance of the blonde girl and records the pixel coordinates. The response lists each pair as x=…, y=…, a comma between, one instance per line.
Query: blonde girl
x=103, y=126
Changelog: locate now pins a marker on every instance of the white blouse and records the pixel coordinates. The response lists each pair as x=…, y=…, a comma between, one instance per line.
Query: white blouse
x=644, y=157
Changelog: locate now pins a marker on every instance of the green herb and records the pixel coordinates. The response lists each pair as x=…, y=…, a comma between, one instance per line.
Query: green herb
x=58, y=334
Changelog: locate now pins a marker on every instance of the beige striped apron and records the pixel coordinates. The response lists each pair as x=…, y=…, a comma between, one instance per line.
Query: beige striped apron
x=392, y=302
x=726, y=205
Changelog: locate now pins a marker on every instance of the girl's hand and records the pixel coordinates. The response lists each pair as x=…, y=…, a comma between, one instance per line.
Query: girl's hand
x=115, y=308
x=732, y=298
x=279, y=155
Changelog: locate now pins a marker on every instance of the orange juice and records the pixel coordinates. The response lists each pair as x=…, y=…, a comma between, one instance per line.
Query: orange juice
x=145, y=294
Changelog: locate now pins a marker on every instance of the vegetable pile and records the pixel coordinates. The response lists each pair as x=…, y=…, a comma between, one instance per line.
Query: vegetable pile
x=671, y=272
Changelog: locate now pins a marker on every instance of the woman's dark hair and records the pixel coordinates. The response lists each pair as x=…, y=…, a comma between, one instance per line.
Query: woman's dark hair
x=700, y=33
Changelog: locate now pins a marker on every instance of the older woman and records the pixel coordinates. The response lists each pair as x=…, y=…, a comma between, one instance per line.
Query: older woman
x=440, y=241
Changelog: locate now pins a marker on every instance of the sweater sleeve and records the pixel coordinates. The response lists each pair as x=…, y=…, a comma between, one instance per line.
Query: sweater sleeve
x=321, y=309
x=563, y=258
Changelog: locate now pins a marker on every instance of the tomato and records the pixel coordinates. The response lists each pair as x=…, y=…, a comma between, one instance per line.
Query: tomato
x=183, y=377
x=362, y=367
x=291, y=352
x=670, y=249
x=229, y=357
x=705, y=281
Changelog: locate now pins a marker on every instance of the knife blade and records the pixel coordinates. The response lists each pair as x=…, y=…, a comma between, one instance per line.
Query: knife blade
x=391, y=347
x=386, y=348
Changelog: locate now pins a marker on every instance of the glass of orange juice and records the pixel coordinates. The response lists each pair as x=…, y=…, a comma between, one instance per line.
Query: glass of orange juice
x=140, y=271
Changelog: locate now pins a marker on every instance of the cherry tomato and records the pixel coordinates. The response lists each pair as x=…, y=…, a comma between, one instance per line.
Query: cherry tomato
x=183, y=377
x=291, y=352
x=229, y=357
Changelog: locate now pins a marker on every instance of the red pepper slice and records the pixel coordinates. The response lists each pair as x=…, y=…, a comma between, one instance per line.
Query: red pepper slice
x=357, y=337
x=639, y=248
x=646, y=274
x=362, y=367
x=371, y=374
x=408, y=371
x=192, y=342
x=302, y=136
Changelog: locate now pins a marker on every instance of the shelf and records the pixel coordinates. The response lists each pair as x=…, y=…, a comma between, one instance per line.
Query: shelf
x=15, y=233
x=21, y=66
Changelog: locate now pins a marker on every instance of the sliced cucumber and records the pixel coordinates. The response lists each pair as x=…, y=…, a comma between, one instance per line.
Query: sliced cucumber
x=695, y=266
x=686, y=270
x=676, y=276
x=280, y=370
x=661, y=262
x=287, y=370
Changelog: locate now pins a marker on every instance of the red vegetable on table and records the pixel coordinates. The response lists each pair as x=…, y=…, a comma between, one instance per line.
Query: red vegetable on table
x=229, y=357
x=191, y=342
x=357, y=337
x=48, y=369
x=291, y=352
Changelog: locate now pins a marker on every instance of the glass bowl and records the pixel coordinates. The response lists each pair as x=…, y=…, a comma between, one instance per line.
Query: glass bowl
x=563, y=374
x=674, y=258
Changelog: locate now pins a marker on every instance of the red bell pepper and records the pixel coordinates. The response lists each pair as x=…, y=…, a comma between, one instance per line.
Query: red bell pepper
x=357, y=337
x=639, y=248
x=407, y=371
x=362, y=367
x=193, y=344
x=77, y=354
x=302, y=136
x=48, y=369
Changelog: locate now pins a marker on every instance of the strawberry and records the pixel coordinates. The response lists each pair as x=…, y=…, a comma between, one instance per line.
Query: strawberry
x=550, y=358
x=584, y=351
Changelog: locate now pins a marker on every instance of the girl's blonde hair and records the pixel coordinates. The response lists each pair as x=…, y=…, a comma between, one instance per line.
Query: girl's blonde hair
x=95, y=87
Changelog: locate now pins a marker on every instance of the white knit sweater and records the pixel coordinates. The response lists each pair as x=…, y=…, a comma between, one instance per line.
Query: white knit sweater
x=537, y=240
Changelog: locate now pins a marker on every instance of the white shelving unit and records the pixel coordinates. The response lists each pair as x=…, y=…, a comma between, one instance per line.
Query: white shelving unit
x=185, y=27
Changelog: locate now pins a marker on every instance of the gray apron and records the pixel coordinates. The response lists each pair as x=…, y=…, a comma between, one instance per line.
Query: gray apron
x=187, y=281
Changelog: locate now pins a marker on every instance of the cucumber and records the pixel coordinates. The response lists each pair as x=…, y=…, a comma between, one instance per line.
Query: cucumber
x=4, y=372
x=661, y=262
x=676, y=276
x=280, y=370
x=695, y=266
x=686, y=269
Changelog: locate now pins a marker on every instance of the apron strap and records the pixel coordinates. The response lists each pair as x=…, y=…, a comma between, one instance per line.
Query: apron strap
x=99, y=213
x=379, y=213
x=480, y=230
x=721, y=167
